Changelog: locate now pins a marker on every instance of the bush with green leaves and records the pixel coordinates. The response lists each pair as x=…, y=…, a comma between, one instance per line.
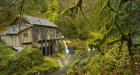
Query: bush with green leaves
x=6, y=53
x=25, y=59
x=112, y=62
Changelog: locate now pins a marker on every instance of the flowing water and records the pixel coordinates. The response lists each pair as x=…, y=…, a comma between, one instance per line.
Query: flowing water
x=66, y=47
x=63, y=62
x=66, y=62
x=82, y=59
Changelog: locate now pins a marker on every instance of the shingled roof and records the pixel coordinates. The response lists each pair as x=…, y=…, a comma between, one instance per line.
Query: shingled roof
x=14, y=28
x=39, y=21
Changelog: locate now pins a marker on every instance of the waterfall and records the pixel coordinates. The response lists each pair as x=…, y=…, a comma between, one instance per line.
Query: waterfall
x=66, y=47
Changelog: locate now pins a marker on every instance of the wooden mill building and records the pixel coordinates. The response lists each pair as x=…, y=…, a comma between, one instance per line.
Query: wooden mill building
x=32, y=32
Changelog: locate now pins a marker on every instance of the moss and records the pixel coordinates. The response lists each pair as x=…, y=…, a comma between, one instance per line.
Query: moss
x=6, y=53
x=78, y=44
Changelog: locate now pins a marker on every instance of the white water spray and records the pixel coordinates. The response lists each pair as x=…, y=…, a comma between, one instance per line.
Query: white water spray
x=66, y=47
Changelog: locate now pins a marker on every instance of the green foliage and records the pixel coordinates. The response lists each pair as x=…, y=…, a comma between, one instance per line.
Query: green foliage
x=108, y=20
x=111, y=63
x=49, y=63
x=24, y=60
x=73, y=10
x=78, y=45
x=6, y=53
x=110, y=24
x=28, y=61
x=52, y=13
x=9, y=9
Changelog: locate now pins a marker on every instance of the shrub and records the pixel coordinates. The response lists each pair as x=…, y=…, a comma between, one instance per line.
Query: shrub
x=25, y=59
x=6, y=53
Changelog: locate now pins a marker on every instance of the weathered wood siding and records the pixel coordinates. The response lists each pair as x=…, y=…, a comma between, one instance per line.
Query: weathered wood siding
x=53, y=34
x=32, y=35
x=45, y=33
x=11, y=40
x=15, y=40
x=58, y=34
x=6, y=39
x=26, y=36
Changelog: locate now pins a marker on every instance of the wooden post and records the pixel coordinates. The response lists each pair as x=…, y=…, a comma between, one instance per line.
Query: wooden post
x=49, y=47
